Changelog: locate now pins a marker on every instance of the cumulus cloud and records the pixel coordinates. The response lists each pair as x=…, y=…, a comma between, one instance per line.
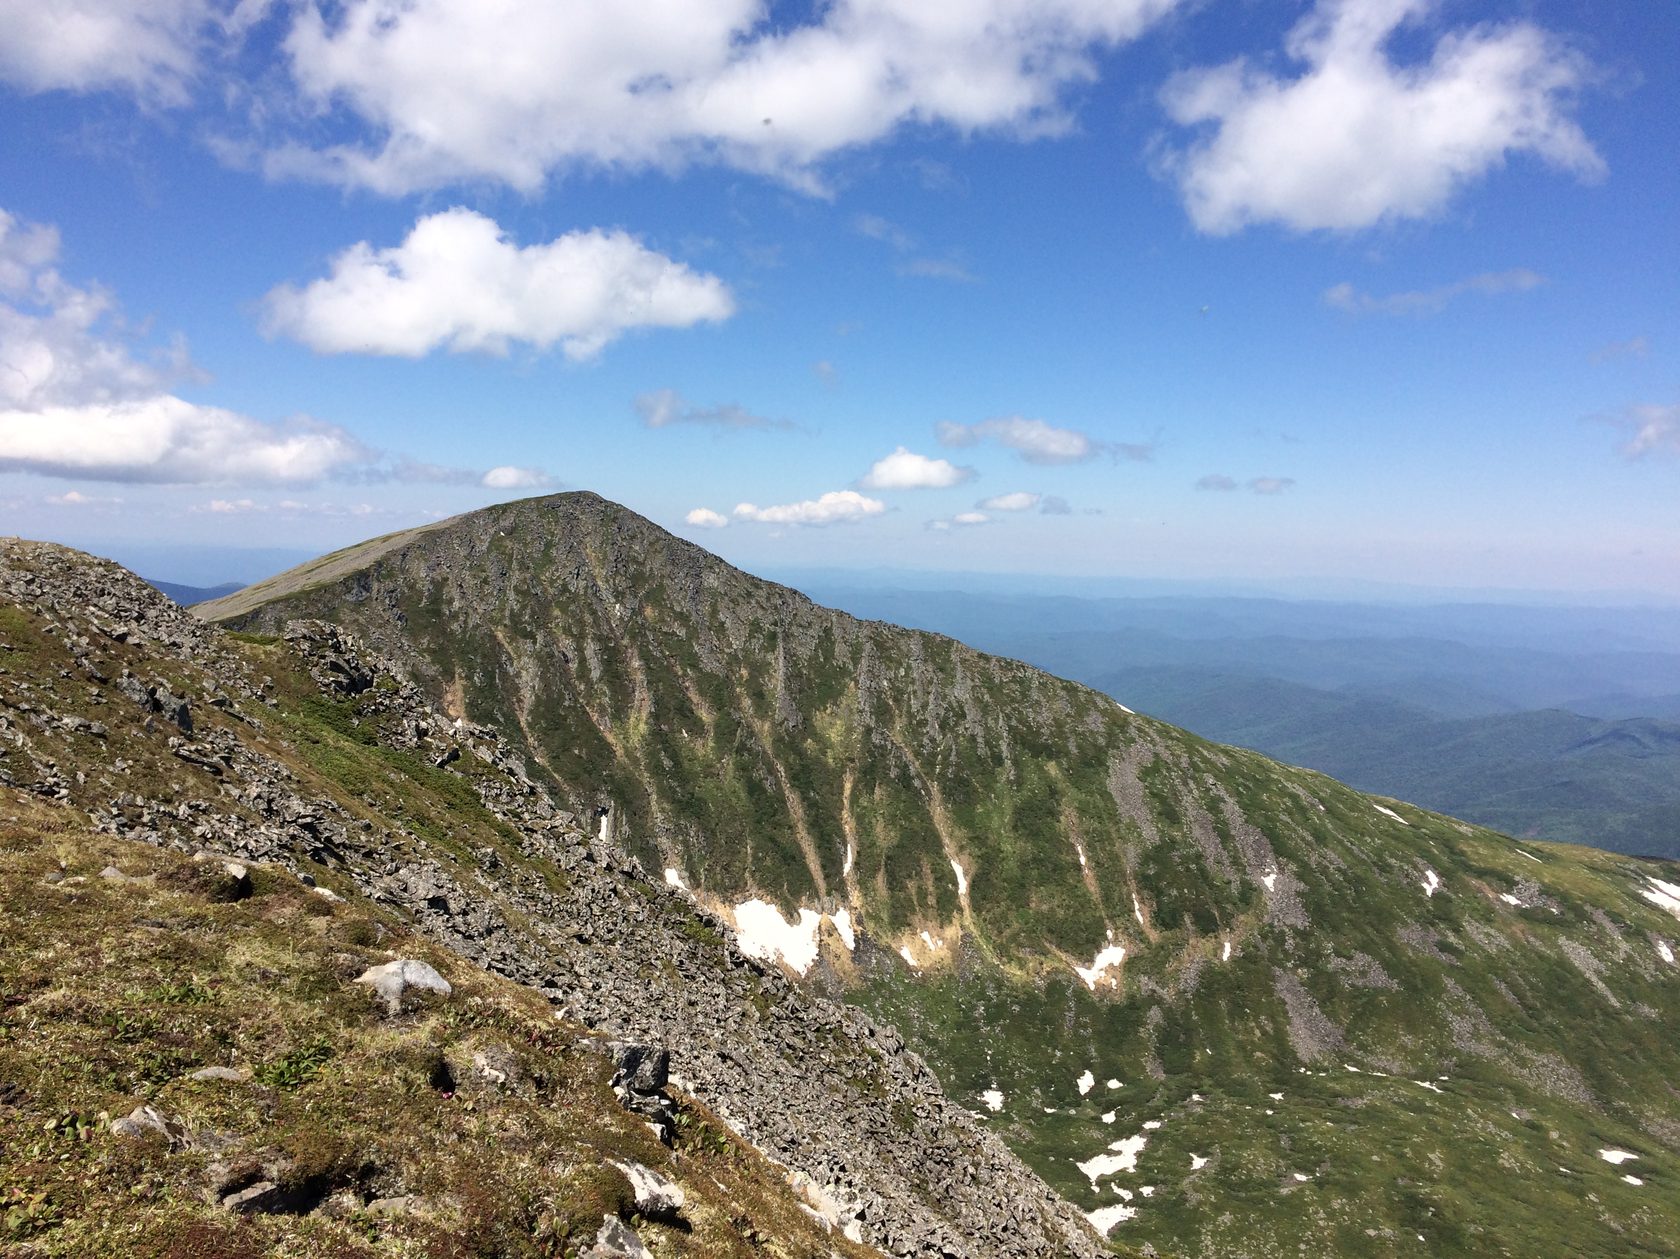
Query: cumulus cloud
x=1271, y=484
x=168, y=440
x=1357, y=139
x=1054, y=505
x=146, y=47
x=508, y=477
x=1217, y=481
x=970, y=518
x=458, y=283
x=81, y=396
x=906, y=470
x=75, y=498
x=448, y=92
x=706, y=518
x=832, y=508
x=1036, y=441
x=1020, y=500
x=1429, y=301
x=661, y=408
x=1651, y=429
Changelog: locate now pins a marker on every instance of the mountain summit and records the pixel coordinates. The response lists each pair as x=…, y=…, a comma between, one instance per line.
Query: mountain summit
x=1228, y=1006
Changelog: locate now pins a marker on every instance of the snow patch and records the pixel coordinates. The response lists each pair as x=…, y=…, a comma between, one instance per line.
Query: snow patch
x=1103, y=1219
x=1152, y=1124
x=1270, y=878
x=674, y=878
x=842, y=920
x=1226, y=956
x=992, y=1099
x=851, y=856
x=905, y=954
x=1124, y=709
x=1276, y=1097
x=1080, y=849
x=1112, y=1083
x=1147, y=1191
x=1302, y=1176
x=962, y=877
x=1664, y=895
x=1510, y=900
x=1391, y=813
x=1105, y=959
x=1425, y=1084
x=1531, y=857
x=1633, y=1180
x=1137, y=909
x=1431, y=882
x=1197, y=1162
x=766, y=935
x=1123, y=1159
x=1666, y=953
x=1084, y=1083
x=933, y=945
x=1108, y=1116
x=1618, y=1157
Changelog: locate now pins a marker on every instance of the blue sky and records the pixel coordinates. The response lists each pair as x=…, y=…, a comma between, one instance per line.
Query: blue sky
x=1353, y=290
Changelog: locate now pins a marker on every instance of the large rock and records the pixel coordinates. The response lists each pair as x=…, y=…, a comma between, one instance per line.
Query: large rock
x=393, y=979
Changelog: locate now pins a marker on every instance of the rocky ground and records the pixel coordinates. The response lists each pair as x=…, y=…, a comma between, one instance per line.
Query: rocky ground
x=306, y=751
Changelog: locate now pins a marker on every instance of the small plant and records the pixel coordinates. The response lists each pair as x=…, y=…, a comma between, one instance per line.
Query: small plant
x=27, y=1213
x=298, y=1067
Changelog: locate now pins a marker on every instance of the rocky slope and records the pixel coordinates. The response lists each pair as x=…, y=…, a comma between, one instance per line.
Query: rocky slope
x=305, y=751
x=1230, y=1007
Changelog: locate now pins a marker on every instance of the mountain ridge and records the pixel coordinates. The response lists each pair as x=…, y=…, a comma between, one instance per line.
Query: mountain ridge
x=1046, y=891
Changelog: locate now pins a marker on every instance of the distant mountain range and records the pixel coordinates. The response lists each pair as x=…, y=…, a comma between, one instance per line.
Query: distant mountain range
x=186, y=596
x=1562, y=723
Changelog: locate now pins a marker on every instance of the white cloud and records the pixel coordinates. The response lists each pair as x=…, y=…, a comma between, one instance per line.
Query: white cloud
x=1055, y=505
x=1271, y=484
x=1036, y=441
x=906, y=470
x=449, y=92
x=1651, y=429
x=706, y=518
x=662, y=408
x=171, y=441
x=457, y=282
x=970, y=518
x=508, y=477
x=75, y=498
x=1357, y=139
x=60, y=343
x=147, y=47
x=1020, y=500
x=1429, y=301
x=76, y=401
x=834, y=507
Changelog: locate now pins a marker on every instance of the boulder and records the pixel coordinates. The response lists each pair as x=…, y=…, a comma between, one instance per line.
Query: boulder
x=393, y=979
x=616, y=1240
x=657, y=1197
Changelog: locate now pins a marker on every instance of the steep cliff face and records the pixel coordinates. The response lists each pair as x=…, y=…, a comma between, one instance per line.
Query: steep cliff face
x=133, y=720
x=1228, y=1006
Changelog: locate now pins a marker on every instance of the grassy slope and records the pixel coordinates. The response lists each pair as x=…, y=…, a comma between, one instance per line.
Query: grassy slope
x=115, y=992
